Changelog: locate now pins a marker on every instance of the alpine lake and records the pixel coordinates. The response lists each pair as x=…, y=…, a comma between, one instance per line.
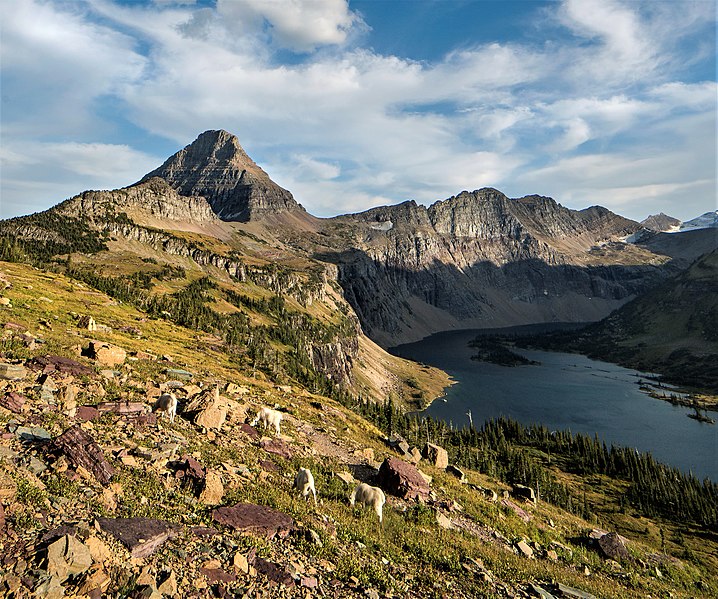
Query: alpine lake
x=565, y=391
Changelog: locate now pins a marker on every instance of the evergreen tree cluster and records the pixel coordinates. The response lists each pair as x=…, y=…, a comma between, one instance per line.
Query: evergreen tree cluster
x=46, y=235
x=514, y=453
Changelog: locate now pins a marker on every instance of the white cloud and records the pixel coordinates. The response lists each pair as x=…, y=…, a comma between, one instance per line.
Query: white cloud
x=301, y=25
x=345, y=127
x=58, y=64
x=67, y=169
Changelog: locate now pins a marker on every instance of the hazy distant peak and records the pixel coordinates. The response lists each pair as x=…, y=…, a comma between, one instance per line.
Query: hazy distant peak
x=660, y=222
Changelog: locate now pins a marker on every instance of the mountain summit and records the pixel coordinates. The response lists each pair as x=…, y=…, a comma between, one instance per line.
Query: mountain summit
x=215, y=166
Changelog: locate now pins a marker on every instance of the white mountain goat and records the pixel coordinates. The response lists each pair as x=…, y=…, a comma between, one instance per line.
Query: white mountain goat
x=304, y=481
x=268, y=417
x=368, y=495
x=167, y=405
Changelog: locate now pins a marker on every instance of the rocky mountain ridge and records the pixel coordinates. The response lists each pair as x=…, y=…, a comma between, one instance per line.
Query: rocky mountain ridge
x=215, y=166
x=477, y=259
x=481, y=259
x=660, y=222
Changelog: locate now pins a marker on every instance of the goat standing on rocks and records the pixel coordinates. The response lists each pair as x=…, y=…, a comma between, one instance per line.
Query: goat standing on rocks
x=304, y=481
x=268, y=417
x=368, y=495
x=167, y=404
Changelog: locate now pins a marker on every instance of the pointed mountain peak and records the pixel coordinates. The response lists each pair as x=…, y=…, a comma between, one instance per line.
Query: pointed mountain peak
x=216, y=167
x=660, y=222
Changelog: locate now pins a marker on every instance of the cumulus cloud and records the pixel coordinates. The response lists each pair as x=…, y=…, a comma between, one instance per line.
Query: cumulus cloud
x=56, y=64
x=345, y=127
x=300, y=25
x=66, y=170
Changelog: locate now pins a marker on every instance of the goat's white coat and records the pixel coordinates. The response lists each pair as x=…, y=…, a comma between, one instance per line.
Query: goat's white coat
x=371, y=496
x=167, y=404
x=304, y=481
x=268, y=417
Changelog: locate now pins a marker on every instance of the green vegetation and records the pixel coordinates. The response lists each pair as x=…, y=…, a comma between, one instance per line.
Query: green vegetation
x=282, y=349
x=493, y=350
x=45, y=236
x=514, y=453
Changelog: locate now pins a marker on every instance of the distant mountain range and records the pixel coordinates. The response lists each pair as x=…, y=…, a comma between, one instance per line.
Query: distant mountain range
x=477, y=259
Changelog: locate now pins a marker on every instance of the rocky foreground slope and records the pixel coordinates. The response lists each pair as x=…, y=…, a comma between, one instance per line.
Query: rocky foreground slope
x=100, y=497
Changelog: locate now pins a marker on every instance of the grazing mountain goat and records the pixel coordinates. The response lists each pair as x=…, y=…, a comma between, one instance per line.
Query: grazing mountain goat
x=368, y=495
x=304, y=481
x=268, y=417
x=167, y=404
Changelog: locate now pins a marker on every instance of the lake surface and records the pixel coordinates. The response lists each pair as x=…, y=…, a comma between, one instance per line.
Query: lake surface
x=566, y=391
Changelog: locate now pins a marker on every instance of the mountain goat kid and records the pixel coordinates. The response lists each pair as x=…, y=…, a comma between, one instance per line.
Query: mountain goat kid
x=268, y=417
x=167, y=404
x=304, y=481
x=368, y=495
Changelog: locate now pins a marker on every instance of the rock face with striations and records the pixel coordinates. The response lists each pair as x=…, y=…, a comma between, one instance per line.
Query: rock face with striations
x=216, y=167
x=481, y=259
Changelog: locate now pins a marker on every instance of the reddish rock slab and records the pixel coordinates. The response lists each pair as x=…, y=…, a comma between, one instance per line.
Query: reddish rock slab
x=309, y=582
x=190, y=472
x=402, y=479
x=123, y=407
x=13, y=401
x=218, y=575
x=142, y=536
x=131, y=411
x=613, y=547
x=250, y=431
x=81, y=450
x=57, y=533
x=269, y=466
x=273, y=572
x=50, y=363
x=87, y=413
x=276, y=447
x=255, y=519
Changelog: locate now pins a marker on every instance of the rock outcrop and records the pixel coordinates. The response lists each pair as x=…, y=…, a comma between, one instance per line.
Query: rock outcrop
x=216, y=167
x=402, y=479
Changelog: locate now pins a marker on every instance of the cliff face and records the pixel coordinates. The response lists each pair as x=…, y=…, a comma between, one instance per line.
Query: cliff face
x=672, y=329
x=481, y=259
x=216, y=167
x=478, y=259
x=153, y=197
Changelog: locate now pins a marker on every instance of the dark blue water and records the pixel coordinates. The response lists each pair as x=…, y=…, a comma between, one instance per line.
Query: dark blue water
x=567, y=391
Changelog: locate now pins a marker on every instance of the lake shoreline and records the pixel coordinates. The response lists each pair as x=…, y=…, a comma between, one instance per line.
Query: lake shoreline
x=567, y=391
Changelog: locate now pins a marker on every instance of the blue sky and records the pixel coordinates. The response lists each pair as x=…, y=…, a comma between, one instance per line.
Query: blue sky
x=353, y=105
